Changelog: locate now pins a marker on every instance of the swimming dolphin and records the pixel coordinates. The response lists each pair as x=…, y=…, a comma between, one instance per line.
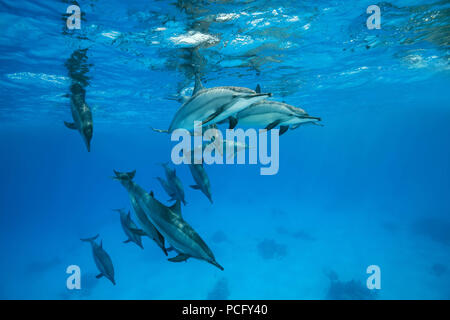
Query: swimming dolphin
x=201, y=179
x=220, y=145
x=102, y=260
x=174, y=184
x=129, y=227
x=138, y=202
x=167, y=188
x=213, y=105
x=81, y=114
x=270, y=114
x=182, y=237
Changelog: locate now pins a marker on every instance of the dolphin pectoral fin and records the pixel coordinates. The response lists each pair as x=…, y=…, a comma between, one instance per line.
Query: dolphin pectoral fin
x=214, y=263
x=179, y=258
x=90, y=239
x=99, y=276
x=126, y=241
x=169, y=249
x=139, y=232
x=273, y=125
x=212, y=116
x=196, y=187
x=70, y=125
x=233, y=122
x=283, y=129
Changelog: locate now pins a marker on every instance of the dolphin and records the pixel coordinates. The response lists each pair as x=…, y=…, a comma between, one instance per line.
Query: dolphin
x=129, y=227
x=81, y=114
x=220, y=145
x=213, y=105
x=201, y=179
x=174, y=184
x=102, y=260
x=138, y=202
x=182, y=237
x=167, y=188
x=270, y=114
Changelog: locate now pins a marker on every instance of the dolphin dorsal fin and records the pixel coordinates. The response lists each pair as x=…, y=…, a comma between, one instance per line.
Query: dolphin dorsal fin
x=176, y=208
x=258, y=88
x=198, y=84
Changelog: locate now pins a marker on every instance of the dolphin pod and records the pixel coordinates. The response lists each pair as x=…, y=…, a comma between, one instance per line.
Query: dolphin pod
x=165, y=224
x=138, y=202
x=102, y=260
x=169, y=222
x=209, y=106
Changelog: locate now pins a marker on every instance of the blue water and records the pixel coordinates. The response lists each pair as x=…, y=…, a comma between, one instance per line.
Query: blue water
x=370, y=187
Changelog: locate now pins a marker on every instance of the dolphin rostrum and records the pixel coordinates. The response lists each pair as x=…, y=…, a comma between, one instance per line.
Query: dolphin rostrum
x=270, y=114
x=213, y=105
x=102, y=260
x=182, y=237
x=174, y=184
x=129, y=227
x=201, y=180
x=138, y=201
x=81, y=114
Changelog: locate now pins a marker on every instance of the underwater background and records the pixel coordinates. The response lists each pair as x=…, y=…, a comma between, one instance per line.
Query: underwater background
x=370, y=187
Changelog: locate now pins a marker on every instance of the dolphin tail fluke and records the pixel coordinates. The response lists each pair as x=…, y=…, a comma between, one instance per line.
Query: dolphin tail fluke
x=124, y=175
x=70, y=125
x=90, y=239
